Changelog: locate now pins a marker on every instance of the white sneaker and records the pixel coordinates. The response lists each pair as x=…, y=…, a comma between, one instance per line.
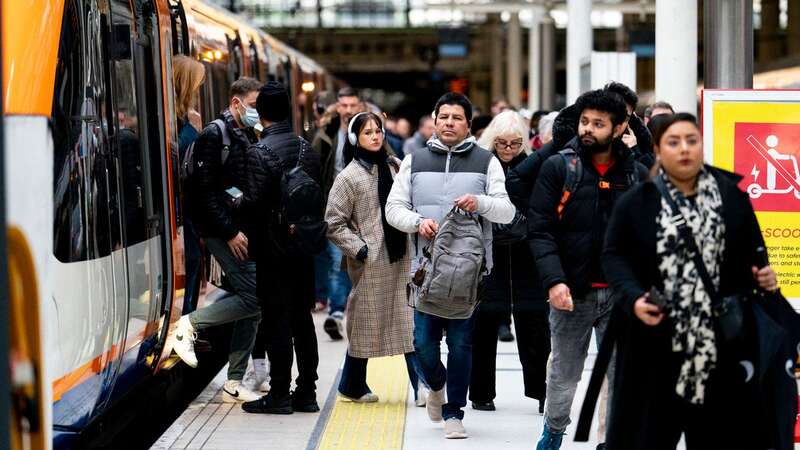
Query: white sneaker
x=434, y=404
x=184, y=341
x=252, y=380
x=422, y=394
x=235, y=392
x=454, y=429
x=369, y=397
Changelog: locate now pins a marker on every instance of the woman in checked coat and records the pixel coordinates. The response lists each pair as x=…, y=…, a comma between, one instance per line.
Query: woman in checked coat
x=379, y=319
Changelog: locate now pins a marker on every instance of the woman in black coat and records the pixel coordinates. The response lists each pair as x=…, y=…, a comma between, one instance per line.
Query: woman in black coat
x=674, y=373
x=513, y=286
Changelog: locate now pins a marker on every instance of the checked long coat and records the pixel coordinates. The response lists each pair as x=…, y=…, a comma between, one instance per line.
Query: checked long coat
x=379, y=319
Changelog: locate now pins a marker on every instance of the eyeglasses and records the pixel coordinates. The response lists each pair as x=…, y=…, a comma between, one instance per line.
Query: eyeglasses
x=512, y=145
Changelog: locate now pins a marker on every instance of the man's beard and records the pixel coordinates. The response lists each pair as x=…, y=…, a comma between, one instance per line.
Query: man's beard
x=597, y=146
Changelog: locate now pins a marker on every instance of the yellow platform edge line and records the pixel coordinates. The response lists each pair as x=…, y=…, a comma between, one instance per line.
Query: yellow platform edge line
x=372, y=425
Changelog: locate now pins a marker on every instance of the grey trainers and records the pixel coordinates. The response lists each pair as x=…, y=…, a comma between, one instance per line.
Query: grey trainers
x=454, y=429
x=434, y=404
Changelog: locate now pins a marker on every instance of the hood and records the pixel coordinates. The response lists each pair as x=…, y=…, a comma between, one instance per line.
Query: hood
x=464, y=146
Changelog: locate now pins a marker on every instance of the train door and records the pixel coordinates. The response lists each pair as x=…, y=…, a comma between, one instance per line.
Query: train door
x=88, y=311
x=180, y=28
x=135, y=67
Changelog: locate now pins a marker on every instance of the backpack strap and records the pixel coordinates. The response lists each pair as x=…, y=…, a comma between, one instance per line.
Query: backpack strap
x=572, y=178
x=226, y=139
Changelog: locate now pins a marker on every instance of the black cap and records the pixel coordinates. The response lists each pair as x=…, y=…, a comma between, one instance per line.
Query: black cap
x=272, y=103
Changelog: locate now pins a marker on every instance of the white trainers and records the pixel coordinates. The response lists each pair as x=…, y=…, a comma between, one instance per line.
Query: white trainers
x=454, y=429
x=434, y=404
x=183, y=341
x=233, y=391
x=422, y=394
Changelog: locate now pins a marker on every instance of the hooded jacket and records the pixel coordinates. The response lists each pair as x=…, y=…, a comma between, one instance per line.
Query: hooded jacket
x=568, y=248
x=430, y=179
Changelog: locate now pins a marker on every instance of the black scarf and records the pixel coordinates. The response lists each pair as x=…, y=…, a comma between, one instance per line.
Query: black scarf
x=396, y=240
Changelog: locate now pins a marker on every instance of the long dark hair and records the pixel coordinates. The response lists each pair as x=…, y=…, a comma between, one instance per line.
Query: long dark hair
x=668, y=120
x=357, y=123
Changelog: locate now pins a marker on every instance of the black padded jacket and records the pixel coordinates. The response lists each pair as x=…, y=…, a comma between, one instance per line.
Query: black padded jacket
x=208, y=203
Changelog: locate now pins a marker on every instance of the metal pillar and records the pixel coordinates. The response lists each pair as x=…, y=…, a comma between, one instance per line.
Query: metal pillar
x=535, y=61
x=514, y=61
x=768, y=48
x=676, y=53
x=728, y=42
x=579, y=43
x=496, y=57
x=793, y=28
x=548, y=62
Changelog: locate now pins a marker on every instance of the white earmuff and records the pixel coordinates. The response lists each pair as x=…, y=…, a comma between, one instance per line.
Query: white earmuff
x=351, y=135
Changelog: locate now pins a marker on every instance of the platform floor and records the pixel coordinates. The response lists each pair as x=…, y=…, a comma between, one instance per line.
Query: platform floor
x=393, y=423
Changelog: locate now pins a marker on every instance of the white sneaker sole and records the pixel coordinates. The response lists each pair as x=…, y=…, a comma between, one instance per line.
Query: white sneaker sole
x=455, y=435
x=228, y=398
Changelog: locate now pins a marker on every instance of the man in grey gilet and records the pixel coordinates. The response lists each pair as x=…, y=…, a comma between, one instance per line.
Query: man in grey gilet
x=451, y=170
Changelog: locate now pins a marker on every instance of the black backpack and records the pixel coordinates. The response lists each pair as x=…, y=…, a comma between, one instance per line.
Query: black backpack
x=188, y=166
x=574, y=176
x=299, y=226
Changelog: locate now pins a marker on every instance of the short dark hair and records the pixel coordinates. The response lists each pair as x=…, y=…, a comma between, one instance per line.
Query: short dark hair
x=628, y=96
x=244, y=86
x=454, y=98
x=605, y=101
x=424, y=119
x=648, y=112
x=480, y=123
x=663, y=124
x=347, y=91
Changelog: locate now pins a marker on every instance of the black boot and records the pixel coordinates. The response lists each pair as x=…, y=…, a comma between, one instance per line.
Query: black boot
x=504, y=333
x=270, y=404
x=305, y=401
x=483, y=406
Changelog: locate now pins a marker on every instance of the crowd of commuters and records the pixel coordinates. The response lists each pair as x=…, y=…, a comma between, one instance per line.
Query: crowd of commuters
x=567, y=221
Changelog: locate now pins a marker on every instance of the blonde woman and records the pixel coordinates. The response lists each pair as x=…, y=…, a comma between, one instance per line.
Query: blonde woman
x=187, y=77
x=513, y=287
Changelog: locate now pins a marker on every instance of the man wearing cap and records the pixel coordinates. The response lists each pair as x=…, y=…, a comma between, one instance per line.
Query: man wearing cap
x=285, y=282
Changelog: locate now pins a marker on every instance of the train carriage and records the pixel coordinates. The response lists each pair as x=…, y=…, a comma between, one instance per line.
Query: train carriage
x=92, y=178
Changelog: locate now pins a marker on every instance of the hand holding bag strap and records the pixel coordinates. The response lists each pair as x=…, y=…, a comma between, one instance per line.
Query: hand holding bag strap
x=688, y=238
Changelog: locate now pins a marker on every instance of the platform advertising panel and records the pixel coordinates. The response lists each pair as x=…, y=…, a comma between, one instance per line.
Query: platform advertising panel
x=756, y=133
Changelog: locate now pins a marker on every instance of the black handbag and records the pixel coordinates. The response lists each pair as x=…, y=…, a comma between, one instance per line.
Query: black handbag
x=511, y=233
x=727, y=311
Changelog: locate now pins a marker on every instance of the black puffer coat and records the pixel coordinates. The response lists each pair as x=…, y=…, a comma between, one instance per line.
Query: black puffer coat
x=514, y=281
x=568, y=249
x=207, y=200
x=261, y=184
x=565, y=128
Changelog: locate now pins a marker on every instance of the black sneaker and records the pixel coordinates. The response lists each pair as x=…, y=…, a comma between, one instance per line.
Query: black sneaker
x=333, y=326
x=483, y=406
x=504, y=333
x=601, y=446
x=304, y=402
x=270, y=404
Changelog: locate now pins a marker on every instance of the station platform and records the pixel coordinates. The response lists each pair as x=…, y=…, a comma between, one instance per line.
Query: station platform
x=392, y=423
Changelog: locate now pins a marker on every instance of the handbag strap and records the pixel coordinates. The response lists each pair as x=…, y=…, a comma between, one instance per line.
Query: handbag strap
x=686, y=234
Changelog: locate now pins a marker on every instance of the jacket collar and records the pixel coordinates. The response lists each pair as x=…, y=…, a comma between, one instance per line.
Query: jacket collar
x=281, y=127
x=462, y=147
x=622, y=154
x=240, y=134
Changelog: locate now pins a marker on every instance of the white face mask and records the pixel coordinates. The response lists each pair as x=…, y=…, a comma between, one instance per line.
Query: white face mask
x=250, y=116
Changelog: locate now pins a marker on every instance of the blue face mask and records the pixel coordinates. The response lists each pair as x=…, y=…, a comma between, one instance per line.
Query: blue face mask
x=250, y=117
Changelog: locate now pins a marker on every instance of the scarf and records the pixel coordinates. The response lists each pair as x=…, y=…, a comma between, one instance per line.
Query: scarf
x=396, y=240
x=689, y=303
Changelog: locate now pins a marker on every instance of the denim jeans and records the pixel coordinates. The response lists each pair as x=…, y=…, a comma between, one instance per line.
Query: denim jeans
x=243, y=307
x=338, y=281
x=191, y=252
x=427, y=339
x=353, y=383
x=571, y=332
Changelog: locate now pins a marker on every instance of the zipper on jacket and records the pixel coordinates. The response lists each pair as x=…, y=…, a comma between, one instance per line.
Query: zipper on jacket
x=447, y=164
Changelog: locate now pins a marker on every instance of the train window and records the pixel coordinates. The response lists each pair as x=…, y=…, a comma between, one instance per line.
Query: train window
x=180, y=33
x=82, y=213
x=235, y=63
x=254, y=69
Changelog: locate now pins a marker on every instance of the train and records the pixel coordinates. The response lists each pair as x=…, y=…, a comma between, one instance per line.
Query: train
x=95, y=228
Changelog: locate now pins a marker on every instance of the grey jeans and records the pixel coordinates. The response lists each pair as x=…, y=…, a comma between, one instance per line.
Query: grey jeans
x=571, y=332
x=242, y=307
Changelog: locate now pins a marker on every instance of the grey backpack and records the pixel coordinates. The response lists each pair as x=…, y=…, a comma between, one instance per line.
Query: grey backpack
x=454, y=264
